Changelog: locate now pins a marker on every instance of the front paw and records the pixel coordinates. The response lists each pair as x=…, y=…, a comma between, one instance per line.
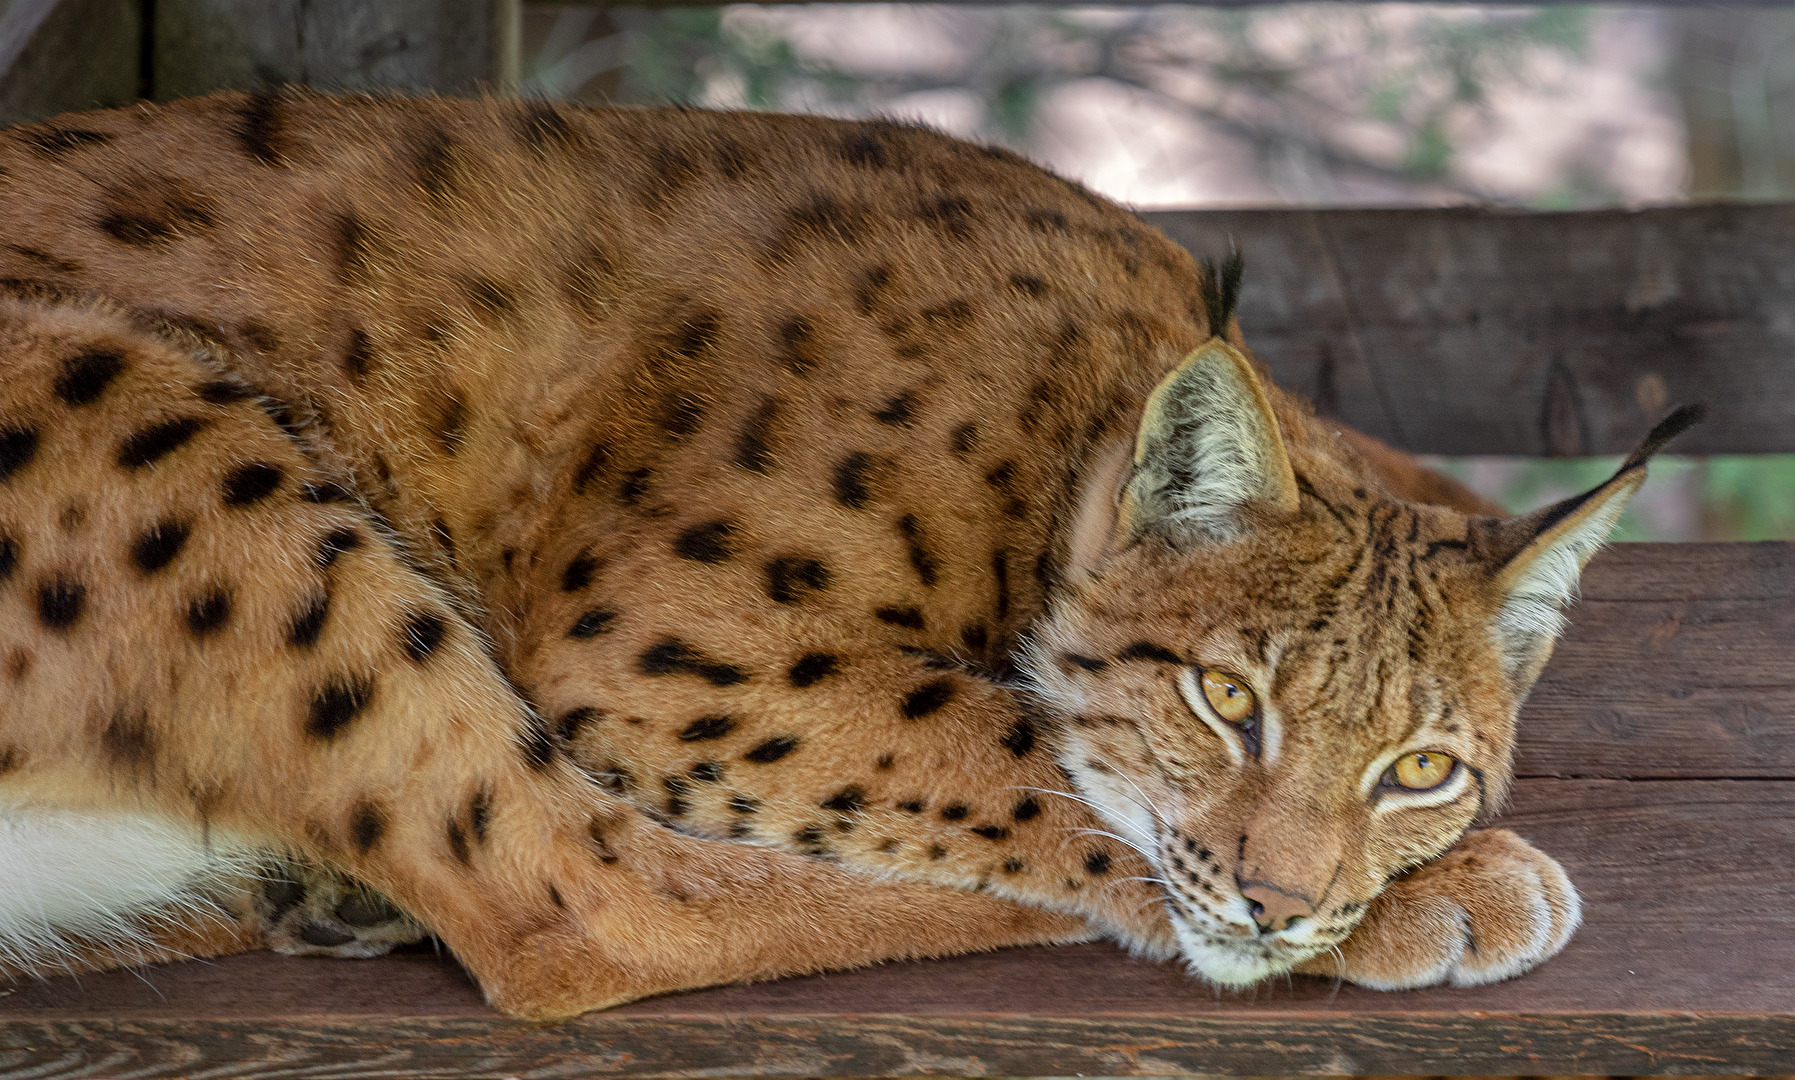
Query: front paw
x=1489, y=909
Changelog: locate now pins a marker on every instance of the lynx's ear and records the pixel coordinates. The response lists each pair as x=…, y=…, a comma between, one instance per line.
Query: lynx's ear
x=1536, y=559
x=1208, y=454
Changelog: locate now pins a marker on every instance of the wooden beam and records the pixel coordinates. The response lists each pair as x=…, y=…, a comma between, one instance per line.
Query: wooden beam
x=1680, y=967
x=446, y=46
x=1486, y=332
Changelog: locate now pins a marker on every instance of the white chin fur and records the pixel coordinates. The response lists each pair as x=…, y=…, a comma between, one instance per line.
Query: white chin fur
x=102, y=877
x=1238, y=966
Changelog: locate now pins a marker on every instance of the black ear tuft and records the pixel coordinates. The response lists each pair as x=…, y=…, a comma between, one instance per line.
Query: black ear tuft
x=1680, y=420
x=1221, y=290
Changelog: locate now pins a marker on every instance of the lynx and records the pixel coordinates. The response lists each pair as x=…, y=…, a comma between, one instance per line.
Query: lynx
x=655, y=548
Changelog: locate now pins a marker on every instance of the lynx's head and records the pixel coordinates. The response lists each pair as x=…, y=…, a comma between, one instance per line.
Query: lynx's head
x=1280, y=683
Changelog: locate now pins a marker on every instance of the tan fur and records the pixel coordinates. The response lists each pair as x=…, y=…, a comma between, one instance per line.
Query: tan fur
x=713, y=471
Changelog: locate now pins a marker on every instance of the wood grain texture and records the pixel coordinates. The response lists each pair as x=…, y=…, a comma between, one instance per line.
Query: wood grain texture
x=1685, y=965
x=1485, y=332
x=1680, y=662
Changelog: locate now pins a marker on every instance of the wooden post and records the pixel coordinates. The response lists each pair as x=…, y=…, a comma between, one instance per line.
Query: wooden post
x=447, y=46
x=76, y=54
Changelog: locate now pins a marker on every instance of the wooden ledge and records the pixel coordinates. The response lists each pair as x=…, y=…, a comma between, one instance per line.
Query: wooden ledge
x=1668, y=707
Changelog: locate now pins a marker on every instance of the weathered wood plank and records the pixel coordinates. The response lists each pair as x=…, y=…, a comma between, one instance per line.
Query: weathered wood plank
x=447, y=46
x=1484, y=332
x=61, y=55
x=1685, y=964
x=1680, y=662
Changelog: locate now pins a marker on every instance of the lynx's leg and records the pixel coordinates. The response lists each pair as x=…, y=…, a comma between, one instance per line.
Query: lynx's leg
x=194, y=624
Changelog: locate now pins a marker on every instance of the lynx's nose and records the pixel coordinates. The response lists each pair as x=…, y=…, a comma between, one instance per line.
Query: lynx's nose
x=1273, y=908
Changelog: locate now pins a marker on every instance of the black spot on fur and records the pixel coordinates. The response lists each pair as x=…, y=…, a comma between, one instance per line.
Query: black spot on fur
x=159, y=544
x=1014, y=866
x=912, y=806
x=1089, y=663
x=591, y=624
x=1097, y=862
x=574, y=721
x=953, y=315
x=927, y=699
x=900, y=411
x=9, y=557
x=952, y=215
x=908, y=617
x=129, y=741
x=358, y=356
x=1028, y=285
x=85, y=377
x=921, y=559
x=1021, y=737
x=753, y=449
x=706, y=772
x=579, y=572
x=367, y=824
x=1026, y=810
x=154, y=210
x=865, y=149
x=707, y=727
x=458, y=844
x=671, y=656
x=1146, y=650
x=60, y=602
x=743, y=804
x=849, y=800
x=422, y=633
x=55, y=142
x=249, y=484
x=352, y=244
x=682, y=413
x=975, y=637
x=157, y=441
x=434, y=159
x=795, y=346
x=337, y=704
x=18, y=445
x=772, y=750
x=259, y=128
x=852, y=481
x=536, y=743
x=1000, y=572
x=308, y=625
x=992, y=832
x=965, y=438
x=634, y=486
x=955, y=812
x=335, y=543
x=225, y=391
x=208, y=614
x=821, y=218
x=595, y=462
x=451, y=425
x=489, y=299
x=711, y=542
x=543, y=127
x=790, y=577
x=813, y=668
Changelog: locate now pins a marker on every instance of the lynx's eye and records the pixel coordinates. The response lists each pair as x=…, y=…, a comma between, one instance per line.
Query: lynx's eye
x=1229, y=696
x=1422, y=771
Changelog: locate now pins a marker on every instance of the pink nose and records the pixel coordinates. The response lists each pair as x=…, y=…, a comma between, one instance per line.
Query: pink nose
x=1273, y=908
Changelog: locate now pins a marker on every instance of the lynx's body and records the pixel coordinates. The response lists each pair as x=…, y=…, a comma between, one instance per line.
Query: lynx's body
x=453, y=494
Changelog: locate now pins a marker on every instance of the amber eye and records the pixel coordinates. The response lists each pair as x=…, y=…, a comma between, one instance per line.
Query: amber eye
x=1422, y=771
x=1228, y=696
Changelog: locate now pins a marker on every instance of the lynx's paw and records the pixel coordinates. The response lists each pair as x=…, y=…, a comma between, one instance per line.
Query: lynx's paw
x=310, y=911
x=1489, y=909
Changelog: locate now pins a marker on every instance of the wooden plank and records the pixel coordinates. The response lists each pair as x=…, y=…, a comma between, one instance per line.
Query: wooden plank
x=74, y=54
x=447, y=46
x=1685, y=964
x=1679, y=662
x=1468, y=331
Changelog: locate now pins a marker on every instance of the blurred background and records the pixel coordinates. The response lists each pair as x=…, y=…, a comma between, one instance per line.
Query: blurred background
x=1305, y=104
